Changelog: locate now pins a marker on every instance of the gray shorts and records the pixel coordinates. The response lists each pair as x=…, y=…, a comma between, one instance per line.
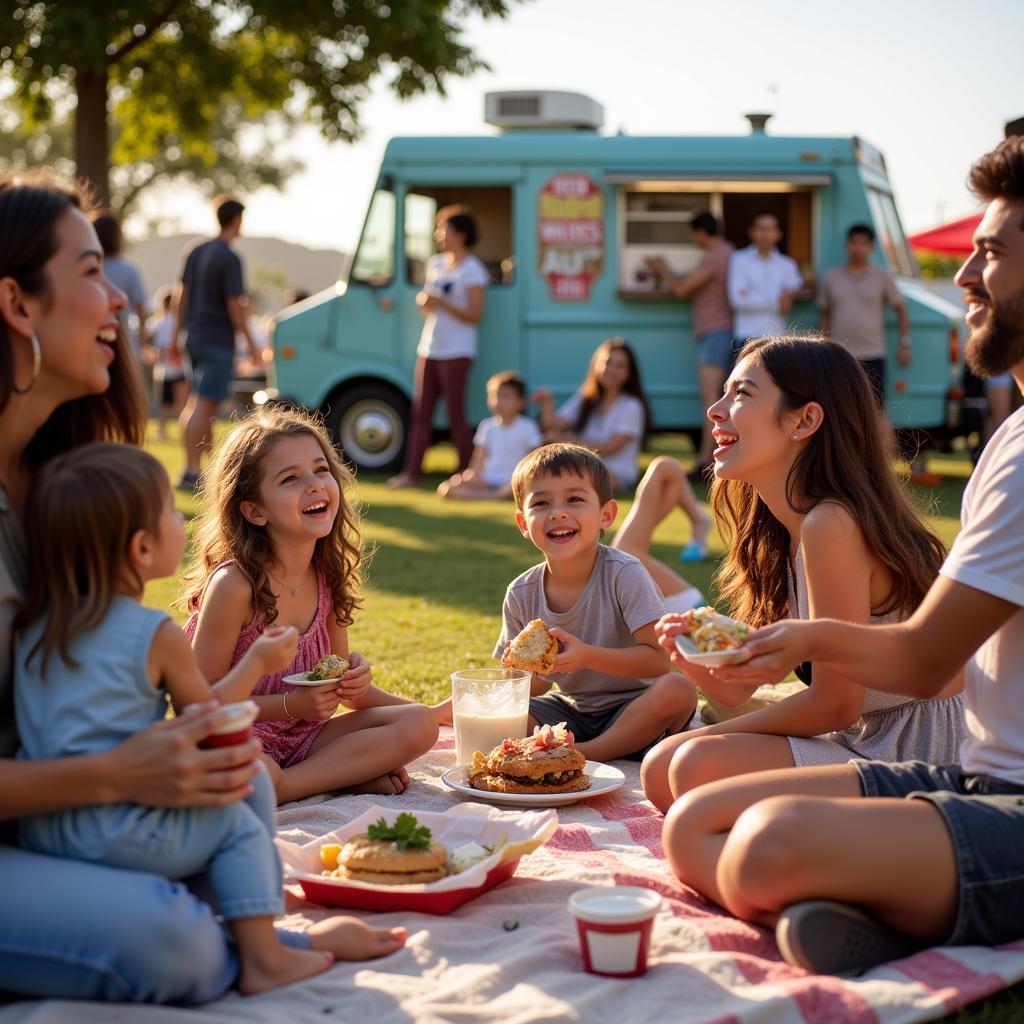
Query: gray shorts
x=552, y=708
x=985, y=819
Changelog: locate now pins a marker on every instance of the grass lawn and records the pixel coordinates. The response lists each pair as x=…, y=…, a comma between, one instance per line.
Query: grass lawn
x=438, y=575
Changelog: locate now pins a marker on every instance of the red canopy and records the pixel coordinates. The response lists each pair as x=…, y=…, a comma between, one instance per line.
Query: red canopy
x=953, y=239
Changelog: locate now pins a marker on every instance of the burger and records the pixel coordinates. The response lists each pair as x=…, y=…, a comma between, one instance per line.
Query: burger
x=404, y=853
x=544, y=763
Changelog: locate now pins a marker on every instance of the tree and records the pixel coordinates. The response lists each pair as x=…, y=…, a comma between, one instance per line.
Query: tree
x=143, y=90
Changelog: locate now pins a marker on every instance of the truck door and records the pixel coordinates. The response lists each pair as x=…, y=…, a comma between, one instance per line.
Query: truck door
x=498, y=336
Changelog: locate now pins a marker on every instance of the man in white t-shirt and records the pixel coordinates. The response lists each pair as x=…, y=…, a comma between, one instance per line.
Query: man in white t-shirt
x=762, y=283
x=499, y=443
x=916, y=855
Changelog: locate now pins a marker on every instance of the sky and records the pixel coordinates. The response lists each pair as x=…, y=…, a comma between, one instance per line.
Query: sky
x=929, y=82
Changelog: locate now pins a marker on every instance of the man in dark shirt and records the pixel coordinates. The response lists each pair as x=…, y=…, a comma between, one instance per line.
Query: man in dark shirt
x=211, y=308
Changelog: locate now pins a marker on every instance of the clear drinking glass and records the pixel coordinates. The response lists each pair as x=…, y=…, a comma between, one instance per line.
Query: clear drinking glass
x=488, y=706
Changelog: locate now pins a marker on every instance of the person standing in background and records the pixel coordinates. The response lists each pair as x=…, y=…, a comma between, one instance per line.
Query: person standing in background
x=712, y=319
x=452, y=304
x=852, y=300
x=762, y=284
x=123, y=275
x=211, y=306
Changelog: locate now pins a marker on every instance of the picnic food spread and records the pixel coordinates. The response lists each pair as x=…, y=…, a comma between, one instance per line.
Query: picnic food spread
x=533, y=649
x=546, y=762
x=330, y=666
x=711, y=631
x=404, y=853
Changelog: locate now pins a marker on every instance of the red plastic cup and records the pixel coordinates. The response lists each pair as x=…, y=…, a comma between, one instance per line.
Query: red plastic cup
x=614, y=924
x=232, y=724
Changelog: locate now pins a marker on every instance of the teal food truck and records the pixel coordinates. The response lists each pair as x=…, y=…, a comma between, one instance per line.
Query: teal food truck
x=568, y=218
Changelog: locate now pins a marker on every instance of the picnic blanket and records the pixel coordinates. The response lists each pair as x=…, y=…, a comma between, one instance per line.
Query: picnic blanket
x=468, y=968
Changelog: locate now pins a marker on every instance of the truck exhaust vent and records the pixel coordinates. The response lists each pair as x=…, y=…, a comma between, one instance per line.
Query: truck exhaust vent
x=542, y=110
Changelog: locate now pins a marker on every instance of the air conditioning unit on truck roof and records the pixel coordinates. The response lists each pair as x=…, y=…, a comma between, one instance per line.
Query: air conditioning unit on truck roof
x=537, y=109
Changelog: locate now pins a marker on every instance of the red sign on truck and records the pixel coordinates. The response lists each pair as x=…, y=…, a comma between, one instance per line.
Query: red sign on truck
x=571, y=234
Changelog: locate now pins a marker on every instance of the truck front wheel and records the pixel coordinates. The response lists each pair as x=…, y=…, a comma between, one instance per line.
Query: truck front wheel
x=370, y=422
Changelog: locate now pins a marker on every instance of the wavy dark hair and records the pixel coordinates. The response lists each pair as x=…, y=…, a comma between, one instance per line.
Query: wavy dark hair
x=846, y=461
x=223, y=534
x=593, y=389
x=31, y=205
x=84, y=507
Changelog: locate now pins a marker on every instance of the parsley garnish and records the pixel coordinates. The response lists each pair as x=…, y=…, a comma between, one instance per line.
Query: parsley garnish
x=406, y=833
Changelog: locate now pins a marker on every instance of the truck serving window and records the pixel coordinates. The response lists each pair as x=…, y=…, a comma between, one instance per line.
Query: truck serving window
x=891, y=239
x=374, y=263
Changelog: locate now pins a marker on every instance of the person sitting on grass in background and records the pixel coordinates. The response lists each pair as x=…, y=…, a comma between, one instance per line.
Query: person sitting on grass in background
x=279, y=542
x=861, y=863
x=94, y=666
x=818, y=525
x=609, y=412
x=499, y=444
x=600, y=604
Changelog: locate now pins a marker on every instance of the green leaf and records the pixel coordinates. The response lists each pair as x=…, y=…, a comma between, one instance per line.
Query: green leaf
x=406, y=833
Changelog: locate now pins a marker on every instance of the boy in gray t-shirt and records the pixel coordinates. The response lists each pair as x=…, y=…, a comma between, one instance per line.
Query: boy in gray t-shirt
x=599, y=603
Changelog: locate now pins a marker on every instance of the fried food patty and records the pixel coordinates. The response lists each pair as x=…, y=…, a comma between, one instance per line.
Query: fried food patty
x=575, y=783
x=392, y=877
x=362, y=854
x=523, y=759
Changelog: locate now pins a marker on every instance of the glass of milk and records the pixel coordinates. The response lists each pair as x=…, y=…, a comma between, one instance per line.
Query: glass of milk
x=488, y=705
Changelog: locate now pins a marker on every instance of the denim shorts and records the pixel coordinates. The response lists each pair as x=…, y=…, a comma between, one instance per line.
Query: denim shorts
x=552, y=708
x=714, y=348
x=985, y=819
x=212, y=369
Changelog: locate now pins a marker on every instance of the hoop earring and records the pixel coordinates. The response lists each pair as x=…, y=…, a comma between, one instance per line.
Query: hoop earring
x=37, y=362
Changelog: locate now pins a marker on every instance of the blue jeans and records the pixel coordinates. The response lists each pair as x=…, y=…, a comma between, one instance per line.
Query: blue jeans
x=985, y=820
x=72, y=930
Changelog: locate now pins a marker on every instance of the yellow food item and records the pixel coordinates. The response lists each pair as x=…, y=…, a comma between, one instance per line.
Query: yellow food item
x=329, y=855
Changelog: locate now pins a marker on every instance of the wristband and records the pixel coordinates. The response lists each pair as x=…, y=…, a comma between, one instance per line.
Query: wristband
x=286, y=711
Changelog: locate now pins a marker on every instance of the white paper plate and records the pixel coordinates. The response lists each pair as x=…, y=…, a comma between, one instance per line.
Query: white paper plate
x=709, y=659
x=603, y=779
x=300, y=679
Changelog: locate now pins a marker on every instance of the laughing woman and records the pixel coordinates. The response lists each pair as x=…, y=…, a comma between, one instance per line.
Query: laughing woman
x=817, y=527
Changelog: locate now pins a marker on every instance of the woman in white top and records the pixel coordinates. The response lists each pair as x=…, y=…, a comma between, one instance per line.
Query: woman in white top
x=452, y=303
x=609, y=412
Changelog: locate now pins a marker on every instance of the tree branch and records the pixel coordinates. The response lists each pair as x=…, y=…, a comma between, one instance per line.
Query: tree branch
x=151, y=26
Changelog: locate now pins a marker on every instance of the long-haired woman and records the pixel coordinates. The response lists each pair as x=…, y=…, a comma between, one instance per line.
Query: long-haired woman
x=817, y=526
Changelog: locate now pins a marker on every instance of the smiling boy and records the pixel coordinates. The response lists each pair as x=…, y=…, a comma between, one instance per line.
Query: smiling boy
x=599, y=603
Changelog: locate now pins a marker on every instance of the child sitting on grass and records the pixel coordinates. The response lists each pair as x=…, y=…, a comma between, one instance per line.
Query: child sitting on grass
x=499, y=444
x=600, y=604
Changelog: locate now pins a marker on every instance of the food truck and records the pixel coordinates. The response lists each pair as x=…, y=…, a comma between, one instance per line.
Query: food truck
x=568, y=217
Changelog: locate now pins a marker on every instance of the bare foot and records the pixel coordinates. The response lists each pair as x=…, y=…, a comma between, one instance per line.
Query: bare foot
x=388, y=784
x=402, y=480
x=282, y=966
x=348, y=938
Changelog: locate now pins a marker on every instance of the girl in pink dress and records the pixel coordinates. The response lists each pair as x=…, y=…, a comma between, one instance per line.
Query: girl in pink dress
x=278, y=543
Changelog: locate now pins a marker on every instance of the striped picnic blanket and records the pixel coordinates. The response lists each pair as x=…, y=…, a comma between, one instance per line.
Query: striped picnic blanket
x=469, y=967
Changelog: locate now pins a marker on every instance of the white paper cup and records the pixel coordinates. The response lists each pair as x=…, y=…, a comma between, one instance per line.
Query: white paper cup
x=614, y=924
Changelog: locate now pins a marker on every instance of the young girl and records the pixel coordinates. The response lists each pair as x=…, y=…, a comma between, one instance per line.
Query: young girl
x=279, y=543
x=608, y=414
x=819, y=527
x=94, y=666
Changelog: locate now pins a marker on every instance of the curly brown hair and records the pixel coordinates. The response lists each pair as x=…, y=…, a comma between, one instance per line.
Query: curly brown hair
x=223, y=534
x=846, y=461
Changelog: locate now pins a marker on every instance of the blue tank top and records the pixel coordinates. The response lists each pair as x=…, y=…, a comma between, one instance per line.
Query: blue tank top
x=107, y=698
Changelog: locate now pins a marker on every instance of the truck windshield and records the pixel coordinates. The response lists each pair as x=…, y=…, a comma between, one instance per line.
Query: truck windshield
x=374, y=263
x=890, y=233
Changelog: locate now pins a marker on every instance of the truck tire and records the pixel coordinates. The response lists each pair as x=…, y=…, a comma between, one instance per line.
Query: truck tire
x=370, y=423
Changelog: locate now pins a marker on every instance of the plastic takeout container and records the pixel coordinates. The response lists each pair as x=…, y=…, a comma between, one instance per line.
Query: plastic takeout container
x=524, y=832
x=614, y=924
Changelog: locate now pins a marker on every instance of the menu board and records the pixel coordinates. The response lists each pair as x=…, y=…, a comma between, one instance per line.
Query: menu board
x=570, y=223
